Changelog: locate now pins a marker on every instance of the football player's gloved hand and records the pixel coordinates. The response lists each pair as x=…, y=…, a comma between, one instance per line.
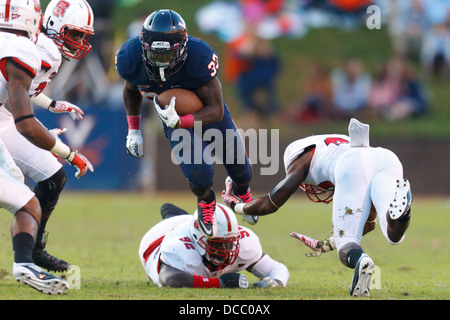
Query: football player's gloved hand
x=64, y=106
x=266, y=282
x=135, y=143
x=230, y=200
x=80, y=162
x=168, y=114
x=233, y=280
x=317, y=246
x=57, y=131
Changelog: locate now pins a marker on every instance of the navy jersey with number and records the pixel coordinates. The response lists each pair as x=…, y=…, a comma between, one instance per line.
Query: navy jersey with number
x=200, y=67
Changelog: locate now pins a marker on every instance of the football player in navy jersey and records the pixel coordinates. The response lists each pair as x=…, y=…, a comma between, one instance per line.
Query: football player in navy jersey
x=164, y=56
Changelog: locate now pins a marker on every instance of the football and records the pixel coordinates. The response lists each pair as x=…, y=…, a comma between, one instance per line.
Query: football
x=187, y=102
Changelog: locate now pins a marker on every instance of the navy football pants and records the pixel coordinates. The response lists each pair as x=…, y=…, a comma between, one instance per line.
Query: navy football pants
x=197, y=149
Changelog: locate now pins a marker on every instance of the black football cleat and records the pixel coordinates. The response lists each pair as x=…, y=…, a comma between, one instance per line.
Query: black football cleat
x=207, y=218
x=45, y=260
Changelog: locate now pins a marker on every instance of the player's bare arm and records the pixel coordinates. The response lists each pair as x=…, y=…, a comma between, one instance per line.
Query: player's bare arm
x=19, y=82
x=171, y=277
x=271, y=202
x=211, y=96
x=132, y=99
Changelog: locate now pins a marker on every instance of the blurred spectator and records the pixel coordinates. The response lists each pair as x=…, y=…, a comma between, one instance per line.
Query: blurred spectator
x=253, y=66
x=435, y=53
x=408, y=22
x=396, y=92
x=384, y=90
x=315, y=98
x=351, y=85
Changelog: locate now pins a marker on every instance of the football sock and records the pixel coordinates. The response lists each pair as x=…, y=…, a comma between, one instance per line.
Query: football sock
x=353, y=256
x=210, y=198
x=23, y=244
x=240, y=190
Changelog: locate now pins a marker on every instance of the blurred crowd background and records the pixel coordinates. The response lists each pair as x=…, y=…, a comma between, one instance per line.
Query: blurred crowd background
x=302, y=66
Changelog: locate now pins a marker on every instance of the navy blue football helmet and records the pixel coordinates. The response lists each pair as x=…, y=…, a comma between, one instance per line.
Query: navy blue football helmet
x=163, y=41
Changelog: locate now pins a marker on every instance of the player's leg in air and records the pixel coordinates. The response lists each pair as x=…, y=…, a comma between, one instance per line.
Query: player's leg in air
x=392, y=197
x=188, y=149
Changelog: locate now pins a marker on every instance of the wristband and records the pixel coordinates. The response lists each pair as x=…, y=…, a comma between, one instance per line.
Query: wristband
x=186, y=121
x=204, y=282
x=61, y=149
x=134, y=122
x=239, y=208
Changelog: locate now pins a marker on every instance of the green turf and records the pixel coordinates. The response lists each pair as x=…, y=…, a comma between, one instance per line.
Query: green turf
x=100, y=233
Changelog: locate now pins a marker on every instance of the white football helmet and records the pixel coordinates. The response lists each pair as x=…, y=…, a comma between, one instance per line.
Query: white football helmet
x=223, y=249
x=24, y=15
x=70, y=24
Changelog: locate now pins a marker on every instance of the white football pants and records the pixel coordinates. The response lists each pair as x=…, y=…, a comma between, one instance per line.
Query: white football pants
x=363, y=176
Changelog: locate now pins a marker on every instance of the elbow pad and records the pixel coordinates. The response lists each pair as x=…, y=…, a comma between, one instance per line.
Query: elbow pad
x=267, y=267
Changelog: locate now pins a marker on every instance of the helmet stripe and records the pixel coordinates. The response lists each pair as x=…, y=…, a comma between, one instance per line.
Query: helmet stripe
x=227, y=217
x=89, y=13
x=7, y=10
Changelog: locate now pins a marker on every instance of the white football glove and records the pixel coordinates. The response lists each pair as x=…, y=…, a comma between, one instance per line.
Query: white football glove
x=135, y=143
x=168, y=114
x=317, y=246
x=56, y=132
x=266, y=282
x=63, y=106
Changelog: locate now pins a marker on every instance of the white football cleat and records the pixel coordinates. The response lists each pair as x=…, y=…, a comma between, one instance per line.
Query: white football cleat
x=360, y=286
x=402, y=200
x=30, y=274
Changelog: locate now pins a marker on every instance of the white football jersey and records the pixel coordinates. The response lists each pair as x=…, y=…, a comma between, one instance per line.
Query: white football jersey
x=327, y=148
x=50, y=63
x=23, y=51
x=176, y=249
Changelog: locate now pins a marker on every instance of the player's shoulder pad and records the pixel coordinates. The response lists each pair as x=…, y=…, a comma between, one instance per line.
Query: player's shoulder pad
x=24, y=50
x=127, y=57
x=179, y=254
x=202, y=61
x=48, y=51
x=250, y=246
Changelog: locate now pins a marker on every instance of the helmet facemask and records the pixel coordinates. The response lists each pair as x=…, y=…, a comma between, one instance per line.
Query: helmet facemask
x=73, y=42
x=220, y=252
x=163, y=44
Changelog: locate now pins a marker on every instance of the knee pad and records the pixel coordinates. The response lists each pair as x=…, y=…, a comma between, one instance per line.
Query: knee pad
x=48, y=191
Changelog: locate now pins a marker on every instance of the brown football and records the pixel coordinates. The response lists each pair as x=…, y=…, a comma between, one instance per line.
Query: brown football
x=187, y=102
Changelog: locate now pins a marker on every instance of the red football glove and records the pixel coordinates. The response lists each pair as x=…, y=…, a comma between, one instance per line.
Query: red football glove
x=79, y=161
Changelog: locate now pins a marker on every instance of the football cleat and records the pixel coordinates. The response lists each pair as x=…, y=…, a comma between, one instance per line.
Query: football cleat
x=401, y=203
x=360, y=286
x=244, y=198
x=206, y=218
x=45, y=260
x=33, y=276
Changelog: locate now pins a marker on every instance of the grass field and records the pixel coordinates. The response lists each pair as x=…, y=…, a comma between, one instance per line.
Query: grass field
x=100, y=233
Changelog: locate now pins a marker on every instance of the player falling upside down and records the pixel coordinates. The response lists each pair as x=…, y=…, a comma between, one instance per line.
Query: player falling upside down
x=163, y=57
x=66, y=30
x=357, y=178
x=175, y=253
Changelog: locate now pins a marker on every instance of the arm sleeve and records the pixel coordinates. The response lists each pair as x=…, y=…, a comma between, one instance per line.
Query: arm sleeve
x=267, y=267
